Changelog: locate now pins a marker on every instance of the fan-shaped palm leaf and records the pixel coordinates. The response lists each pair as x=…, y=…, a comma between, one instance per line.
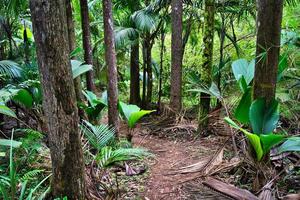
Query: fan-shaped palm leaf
x=144, y=21
x=10, y=68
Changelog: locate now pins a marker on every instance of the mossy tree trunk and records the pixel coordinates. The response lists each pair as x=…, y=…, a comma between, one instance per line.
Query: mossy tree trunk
x=110, y=58
x=206, y=67
x=268, y=22
x=59, y=102
x=176, y=56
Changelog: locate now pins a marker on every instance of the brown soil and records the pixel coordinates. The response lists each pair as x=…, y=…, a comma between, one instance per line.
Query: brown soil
x=171, y=155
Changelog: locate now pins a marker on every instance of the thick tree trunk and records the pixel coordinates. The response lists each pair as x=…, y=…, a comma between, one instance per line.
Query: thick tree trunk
x=110, y=57
x=144, y=75
x=268, y=22
x=205, y=70
x=176, y=56
x=135, y=75
x=72, y=46
x=86, y=41
x=59, y=102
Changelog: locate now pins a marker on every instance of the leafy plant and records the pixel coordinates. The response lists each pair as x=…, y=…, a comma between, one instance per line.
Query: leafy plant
x=78, y=68
x=96, y=105
x=10, y=183
x=263, y=120
x=132, y=113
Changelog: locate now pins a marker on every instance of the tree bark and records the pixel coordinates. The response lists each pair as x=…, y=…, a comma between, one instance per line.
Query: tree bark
x=72, y=46
x=135, y=75
x=149, y=74
x=162, y=48
x=110, y=57
x=176, y=56
x=268, y=22
x=59, y=104
x=205, y=70
x=86, y=41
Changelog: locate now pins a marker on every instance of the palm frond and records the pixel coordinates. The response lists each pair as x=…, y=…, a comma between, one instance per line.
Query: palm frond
x=10, y=68
x=125, y=36
x=144, y=21
x=98, y=136
x=108, y=156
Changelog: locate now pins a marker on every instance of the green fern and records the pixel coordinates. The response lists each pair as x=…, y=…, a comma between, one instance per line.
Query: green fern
x=108, y=156
x=98, y=136
x=10, y=68
x=31, y=175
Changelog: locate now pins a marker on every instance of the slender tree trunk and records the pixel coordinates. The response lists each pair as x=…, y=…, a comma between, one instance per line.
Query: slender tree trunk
x=110, y=57
x=59, y=102
x=162, y=48
x=149, y=74
x=72, y=46
x=268, y=22
x=87, y=45
x=135, y=75
x=144, y=74
x=222, y=35
x=206, y=67
x=187, y=33
x=176, y=56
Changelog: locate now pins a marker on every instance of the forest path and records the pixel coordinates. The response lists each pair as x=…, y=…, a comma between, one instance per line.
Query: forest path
x=171, y=154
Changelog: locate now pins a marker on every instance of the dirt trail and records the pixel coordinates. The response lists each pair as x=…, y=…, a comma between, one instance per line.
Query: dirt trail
x=172, y=155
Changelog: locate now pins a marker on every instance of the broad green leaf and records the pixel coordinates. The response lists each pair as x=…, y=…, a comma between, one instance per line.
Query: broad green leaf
x=282, y=66
x=270, y=140
x=136, y=116
x=79, y=70
x=253, y=138
x=7, y=111
x=255, y=142
x=8, y=143
x=127, y=110
x=292, y=144
x=243, y=85
x=263, y=119
x=242, y=111
x=213, y=91
x=23, y=97
x=241, y=67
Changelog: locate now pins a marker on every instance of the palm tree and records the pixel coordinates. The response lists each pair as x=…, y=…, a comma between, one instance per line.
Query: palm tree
x=177, y=55
x=110, y=57
x=86, y=41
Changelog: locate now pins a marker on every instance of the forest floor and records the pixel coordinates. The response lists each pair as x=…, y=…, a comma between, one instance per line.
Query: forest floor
x=173, y=150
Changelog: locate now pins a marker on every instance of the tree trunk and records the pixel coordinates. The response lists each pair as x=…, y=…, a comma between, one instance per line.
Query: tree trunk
x=110, y=57
x=144, y=74
x=59, y=102
x=72, y=46
x=205, y=71
x=86, y=41
x=149, y=74
x=176, y=60
x=134, y=75
x=268, y=22
x=162, y=48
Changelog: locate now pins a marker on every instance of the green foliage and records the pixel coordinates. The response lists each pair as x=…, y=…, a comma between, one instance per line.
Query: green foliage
x=263, y=117
x=241, y=68
x=96, y=105
x=98, y=136
x=7, y=111
x=292, y=144
x=78, y=68
x=132, y=113
x=108, y=156
x=241, y=113
x=10, y=68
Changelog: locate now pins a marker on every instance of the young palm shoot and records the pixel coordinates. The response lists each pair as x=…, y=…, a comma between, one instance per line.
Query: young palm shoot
x=132, y=114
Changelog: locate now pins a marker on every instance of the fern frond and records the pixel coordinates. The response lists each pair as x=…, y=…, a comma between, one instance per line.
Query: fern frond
x=108, y=156
x=98, y=136
x=31, y=175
